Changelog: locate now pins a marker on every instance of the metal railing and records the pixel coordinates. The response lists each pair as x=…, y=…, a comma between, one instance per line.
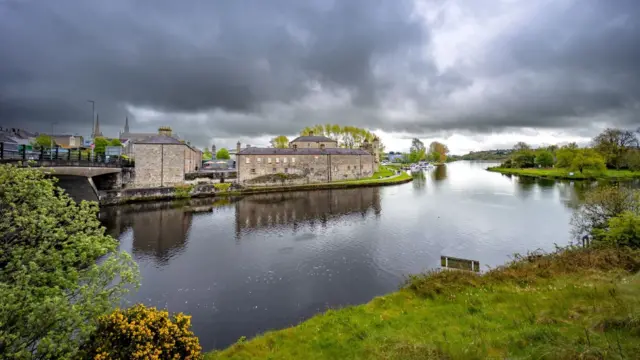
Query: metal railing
x=10, y=153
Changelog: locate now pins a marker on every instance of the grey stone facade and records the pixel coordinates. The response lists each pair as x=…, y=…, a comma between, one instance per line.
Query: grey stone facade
x=312, y=165
x=163, y=164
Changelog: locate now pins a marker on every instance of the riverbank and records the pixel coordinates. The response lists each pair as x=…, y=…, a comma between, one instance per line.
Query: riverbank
x=552, y=173
x=126, y=196
x=579, y=303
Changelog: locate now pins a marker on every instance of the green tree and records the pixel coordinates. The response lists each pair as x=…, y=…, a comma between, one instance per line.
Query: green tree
x=564, y=157
x=223, y=154
x=544, y=158
x=523, y=159
x=600, y=205
x=521, y=145
x=43, y=141
x=100, y=145
x=115, y=142
x=206, y=154
x=52, y=286
x=614, y=144
x=417, y=151
x=588, y=159
x=281, y=142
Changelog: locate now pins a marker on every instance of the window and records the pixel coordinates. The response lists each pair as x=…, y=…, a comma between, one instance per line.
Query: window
x=293, y=160
x=348, y=167
x=322, y=146
x=273, y=170
x=259, y=160
x=253, y=171
x=269, y=160
x=286, y=170
x=247, y=160
x=284, y=160
x=295, y=146
x=277, y=160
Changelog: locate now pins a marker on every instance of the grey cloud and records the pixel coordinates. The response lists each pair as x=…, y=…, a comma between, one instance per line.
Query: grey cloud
x=225, y=69
x=189, y=57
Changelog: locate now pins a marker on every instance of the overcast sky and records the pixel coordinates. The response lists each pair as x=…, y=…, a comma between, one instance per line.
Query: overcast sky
x=476, y=74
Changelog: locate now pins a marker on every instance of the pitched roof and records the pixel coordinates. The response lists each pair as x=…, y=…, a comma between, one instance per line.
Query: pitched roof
x=312, y=139
x=304, y=151
x=136, y=136
x=159, y=139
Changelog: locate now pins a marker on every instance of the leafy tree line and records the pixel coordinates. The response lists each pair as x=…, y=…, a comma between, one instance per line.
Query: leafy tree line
x=613, y=149
x=437, y=152
x=350, y=137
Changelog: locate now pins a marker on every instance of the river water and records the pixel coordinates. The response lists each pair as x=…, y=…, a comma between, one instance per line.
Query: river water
x=244, y=266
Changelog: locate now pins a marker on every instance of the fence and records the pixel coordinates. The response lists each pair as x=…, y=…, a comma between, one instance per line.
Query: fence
x=11, y=153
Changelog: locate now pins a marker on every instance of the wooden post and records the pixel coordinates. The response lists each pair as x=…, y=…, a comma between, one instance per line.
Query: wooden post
x=1, y=150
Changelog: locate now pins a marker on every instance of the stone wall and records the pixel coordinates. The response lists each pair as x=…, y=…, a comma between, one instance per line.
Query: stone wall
x=315, y=168
x=159, y=164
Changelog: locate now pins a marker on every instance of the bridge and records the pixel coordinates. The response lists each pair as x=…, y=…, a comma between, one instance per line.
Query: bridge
x=100, y=172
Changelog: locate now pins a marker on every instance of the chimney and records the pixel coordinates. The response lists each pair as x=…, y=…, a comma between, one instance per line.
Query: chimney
x=311, y=133
x=165, y=130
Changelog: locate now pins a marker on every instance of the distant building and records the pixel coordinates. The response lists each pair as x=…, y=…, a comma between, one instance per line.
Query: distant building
x=68, y=141
x=312, y=158
x=162, y=160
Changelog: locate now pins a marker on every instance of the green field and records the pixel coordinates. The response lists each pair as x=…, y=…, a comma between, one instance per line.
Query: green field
x=565, y=174
x=577, y=304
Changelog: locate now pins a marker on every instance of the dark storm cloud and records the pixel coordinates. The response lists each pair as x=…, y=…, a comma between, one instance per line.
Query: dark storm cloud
x=188, y=57
x=231, y=69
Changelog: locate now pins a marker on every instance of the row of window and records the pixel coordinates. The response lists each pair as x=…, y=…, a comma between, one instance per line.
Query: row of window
x=278, y=160
x=286, y=170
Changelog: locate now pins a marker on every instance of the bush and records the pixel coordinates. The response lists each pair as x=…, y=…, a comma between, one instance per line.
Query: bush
x=143, y=333
x=600, y=206
x=623, y=230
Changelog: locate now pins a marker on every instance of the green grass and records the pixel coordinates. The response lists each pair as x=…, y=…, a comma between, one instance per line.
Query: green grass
x=577, y=304
x=564, y=173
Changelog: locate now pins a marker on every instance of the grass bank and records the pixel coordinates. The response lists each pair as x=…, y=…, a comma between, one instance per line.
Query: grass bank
x=553, y=173
x=575, y=304
x=348, y=184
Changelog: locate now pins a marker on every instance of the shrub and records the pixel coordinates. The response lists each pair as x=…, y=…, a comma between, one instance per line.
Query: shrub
x=623, y=230
x=143, y=333
x=183, y=191
x=602, y=204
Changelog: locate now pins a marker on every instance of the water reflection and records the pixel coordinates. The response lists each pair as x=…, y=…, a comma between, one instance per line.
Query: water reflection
x=293, y=209
x=439, y=173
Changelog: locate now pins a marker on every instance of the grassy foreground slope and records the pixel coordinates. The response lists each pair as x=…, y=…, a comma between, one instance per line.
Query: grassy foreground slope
x=568, y=305
x=556, y=173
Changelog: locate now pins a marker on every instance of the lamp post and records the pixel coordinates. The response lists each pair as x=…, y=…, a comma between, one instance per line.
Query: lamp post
x=93, y=114
x=51, y=137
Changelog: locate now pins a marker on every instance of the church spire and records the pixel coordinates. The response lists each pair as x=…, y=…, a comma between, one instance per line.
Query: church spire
x=126, y=125
x=96, y=128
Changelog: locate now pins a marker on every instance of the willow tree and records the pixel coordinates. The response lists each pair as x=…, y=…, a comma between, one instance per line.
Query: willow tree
x=58, y=270
x=350, y=137
x=280, y=142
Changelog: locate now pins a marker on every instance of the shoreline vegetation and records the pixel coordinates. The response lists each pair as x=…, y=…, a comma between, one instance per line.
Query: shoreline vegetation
x=565, y=174
x=574, y=303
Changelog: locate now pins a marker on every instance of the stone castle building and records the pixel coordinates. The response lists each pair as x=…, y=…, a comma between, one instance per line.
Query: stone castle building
x=308, y=159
